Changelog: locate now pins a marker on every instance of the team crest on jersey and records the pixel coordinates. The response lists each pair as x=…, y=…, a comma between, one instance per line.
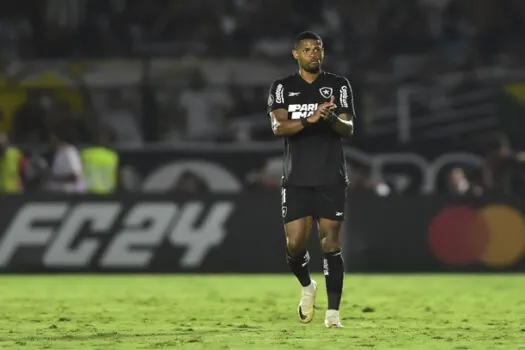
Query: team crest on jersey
x=326, y=92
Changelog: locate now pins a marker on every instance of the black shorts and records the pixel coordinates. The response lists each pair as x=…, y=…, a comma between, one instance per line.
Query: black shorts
x=318, y=202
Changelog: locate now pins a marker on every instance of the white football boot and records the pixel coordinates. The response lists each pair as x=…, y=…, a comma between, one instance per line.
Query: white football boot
x=332, y=319
x=306, y=308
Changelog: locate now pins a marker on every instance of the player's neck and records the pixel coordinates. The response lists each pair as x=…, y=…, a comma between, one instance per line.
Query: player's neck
x=309, y=77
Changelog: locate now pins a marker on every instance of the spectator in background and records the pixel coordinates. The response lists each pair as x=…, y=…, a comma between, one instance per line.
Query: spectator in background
x=30, y=122
x=78, y=126
x=12, y=167
x=459, y=184
x=362, y=183
x=101, y=166
x=268, y=176
x=120, y=120
x=204, y=109
x=500, y=164
x=190, y=183
x=66, y=173
x=35, y=173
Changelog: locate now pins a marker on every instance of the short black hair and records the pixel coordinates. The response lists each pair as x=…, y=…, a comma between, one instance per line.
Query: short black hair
x=308, y=35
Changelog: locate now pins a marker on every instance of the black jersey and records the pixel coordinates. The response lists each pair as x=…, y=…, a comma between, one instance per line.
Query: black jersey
x=314, y=156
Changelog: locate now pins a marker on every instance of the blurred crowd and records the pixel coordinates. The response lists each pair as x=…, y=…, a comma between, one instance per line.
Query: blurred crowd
x=365, y=31
x=379, y=44
x=95, y=168
x=42, y=109
x=502, y=171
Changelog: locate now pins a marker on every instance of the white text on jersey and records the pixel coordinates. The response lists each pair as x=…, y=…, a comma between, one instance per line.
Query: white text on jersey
x=302, y=110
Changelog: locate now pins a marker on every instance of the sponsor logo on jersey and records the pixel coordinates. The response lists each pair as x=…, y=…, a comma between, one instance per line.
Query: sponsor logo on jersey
x=343, y=96
x=279, y=94
x=326, y=92
x=302, y=110
x=270, y=100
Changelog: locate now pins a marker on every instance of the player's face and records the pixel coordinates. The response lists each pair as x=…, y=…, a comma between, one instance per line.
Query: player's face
x=310, y=55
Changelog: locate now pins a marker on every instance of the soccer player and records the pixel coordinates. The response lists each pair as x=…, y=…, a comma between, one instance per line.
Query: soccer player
x=312, y=109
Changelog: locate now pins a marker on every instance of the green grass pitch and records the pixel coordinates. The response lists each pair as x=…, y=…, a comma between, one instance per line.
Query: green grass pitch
x=258, y=312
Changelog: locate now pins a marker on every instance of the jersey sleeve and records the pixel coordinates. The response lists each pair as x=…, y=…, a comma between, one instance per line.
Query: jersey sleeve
x=276, y=96
x=345, y=98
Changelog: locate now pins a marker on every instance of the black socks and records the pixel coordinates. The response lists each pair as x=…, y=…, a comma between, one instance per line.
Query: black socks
x=299, y=266
x=333, y=268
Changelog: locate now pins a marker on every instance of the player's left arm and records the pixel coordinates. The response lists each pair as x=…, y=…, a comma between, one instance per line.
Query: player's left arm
x=343, y=124
x=343, y=116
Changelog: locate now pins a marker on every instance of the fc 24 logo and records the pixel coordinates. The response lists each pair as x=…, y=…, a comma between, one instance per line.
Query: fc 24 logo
x=72, y=233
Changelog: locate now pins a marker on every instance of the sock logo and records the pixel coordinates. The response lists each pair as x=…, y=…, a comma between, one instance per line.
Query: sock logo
x=284, y=209
x=306, y=259
x=326, y=271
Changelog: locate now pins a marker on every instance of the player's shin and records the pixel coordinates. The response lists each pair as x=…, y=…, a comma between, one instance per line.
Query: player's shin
x=299, y=266
x=333, y=268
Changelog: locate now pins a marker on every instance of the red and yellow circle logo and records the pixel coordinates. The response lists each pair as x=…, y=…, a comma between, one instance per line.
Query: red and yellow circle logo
x=493, y=235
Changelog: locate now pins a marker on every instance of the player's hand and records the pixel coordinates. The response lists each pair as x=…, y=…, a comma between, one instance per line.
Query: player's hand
x=328, y=112
x=322, y=111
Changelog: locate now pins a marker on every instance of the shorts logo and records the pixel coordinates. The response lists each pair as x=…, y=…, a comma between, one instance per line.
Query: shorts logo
x=326, y=92
x=493, y=235
x=279, y=94
x=343, y=96
x=270, y=100
x=284, y=210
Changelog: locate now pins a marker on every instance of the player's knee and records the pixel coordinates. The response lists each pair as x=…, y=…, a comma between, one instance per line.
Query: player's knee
x=295, y=245
x=330, y=243
x=330, y=246
x=329, y=236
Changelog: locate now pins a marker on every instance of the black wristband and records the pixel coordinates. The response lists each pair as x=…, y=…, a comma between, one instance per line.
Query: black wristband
x=305, y=123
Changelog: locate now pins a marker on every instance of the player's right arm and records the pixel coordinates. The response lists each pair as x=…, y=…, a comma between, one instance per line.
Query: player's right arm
x=278, y=112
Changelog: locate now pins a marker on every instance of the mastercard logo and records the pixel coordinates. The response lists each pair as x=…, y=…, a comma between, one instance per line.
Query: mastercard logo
x=493, y=235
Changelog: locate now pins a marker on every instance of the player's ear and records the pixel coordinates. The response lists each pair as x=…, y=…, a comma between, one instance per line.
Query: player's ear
x=295, y=54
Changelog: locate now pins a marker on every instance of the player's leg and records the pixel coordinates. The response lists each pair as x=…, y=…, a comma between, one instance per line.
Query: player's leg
x=297, y=217
x=297, y=237
x=330, y=211
x=333, y=268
